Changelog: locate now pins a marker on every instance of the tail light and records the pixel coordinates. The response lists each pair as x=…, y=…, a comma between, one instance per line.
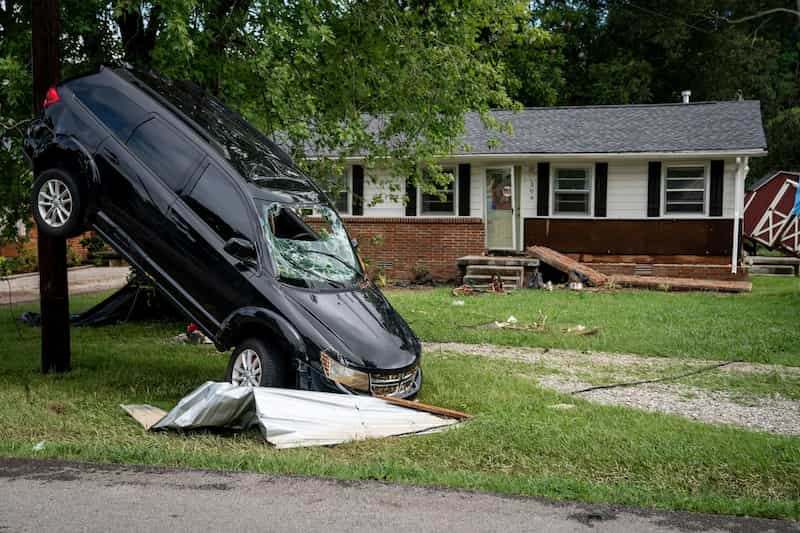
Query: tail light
x=51, y=97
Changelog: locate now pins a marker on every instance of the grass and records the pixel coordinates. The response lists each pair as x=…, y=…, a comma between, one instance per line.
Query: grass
x=763, y=326
x=517, y=443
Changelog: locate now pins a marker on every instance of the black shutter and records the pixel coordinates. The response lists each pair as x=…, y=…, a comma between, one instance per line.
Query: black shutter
x=600, y=189
x=716, y=188
x=543, y=190
x=653, y=188
x=464, y=179
x=411, y=194
x=358, y=190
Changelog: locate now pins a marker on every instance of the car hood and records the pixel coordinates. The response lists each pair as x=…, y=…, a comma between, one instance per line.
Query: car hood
x=361, y=325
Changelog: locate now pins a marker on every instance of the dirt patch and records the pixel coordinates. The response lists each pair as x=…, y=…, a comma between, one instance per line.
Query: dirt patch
x=566, y=371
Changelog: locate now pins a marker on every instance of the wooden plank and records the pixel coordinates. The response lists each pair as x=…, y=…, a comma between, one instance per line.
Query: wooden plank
x=566, y=264
x=441, y=411
x=145, y=414
x=681, y=284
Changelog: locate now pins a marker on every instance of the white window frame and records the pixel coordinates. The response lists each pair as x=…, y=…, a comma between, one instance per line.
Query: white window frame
x=348, y=183
x=454, y=212
x=665, y=166
x=589, y=169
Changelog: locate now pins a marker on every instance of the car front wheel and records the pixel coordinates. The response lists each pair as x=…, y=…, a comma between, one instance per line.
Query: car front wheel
x=57, y=203
x=254, y=364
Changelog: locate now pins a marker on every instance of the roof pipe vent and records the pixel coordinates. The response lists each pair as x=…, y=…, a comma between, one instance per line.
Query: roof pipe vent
x=686, y=95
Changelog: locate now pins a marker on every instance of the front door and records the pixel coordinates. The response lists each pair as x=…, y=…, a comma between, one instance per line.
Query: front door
x=500, y=231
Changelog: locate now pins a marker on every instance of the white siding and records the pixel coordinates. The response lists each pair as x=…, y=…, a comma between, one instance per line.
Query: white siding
x=377, y=186
x=476, y=191
x=627, y=189
x=728, y=188
x=527, y=193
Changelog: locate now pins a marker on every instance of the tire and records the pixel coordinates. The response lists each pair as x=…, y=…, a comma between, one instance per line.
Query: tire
x=57, y=204
x=253, y=363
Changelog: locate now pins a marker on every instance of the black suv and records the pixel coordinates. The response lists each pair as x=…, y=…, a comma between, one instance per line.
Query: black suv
x=225, y=225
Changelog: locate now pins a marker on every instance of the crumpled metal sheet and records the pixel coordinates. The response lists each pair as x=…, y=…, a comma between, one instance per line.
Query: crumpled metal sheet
x=293, y=418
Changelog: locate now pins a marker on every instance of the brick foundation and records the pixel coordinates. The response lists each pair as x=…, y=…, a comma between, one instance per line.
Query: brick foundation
x=396, y=245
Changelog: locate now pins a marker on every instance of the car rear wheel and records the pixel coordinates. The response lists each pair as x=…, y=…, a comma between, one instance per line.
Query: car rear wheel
x=254, y=364
x=57, y=204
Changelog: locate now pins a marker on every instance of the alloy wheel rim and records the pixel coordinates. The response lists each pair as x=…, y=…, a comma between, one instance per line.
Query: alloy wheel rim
x=55, y=203
x=247, y=369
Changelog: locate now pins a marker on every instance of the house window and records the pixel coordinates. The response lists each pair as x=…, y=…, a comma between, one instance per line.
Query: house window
x=339, y=193
x=685, y=190
x=571, y=191
x=441, y=202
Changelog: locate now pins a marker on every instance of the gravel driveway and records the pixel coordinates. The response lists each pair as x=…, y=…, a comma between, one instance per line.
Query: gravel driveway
x=567, y=371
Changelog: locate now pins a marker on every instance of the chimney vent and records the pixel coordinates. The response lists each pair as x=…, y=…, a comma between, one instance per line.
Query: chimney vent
x=686, y=95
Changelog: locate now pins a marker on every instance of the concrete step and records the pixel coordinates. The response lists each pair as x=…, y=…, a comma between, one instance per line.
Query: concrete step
x=484, y=280
x=775, y=270
x=528, y=262
x=495, y=269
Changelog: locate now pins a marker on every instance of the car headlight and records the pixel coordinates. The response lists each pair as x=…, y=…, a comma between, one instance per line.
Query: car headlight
x=336, y=371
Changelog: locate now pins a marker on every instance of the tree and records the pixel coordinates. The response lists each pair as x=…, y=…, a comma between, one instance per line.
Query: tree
x=308, y=72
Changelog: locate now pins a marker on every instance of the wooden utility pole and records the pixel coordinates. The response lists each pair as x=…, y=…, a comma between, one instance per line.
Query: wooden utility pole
x=53, y=294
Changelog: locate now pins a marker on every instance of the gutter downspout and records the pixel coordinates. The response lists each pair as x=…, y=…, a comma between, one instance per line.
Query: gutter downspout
x=738, y=202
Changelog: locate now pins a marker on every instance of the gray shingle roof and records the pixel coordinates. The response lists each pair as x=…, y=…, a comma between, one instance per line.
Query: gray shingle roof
x=701, y=126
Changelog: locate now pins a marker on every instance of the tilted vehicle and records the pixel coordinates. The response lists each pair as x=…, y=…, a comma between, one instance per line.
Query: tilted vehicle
x=225, y=225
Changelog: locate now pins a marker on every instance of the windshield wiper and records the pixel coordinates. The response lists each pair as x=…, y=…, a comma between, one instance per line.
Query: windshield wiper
x=342, y=261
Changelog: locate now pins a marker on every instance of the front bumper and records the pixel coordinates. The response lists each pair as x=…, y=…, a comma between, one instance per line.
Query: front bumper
x=390, y=384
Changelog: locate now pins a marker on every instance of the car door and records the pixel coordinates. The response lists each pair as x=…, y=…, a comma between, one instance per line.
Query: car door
x=208, y=213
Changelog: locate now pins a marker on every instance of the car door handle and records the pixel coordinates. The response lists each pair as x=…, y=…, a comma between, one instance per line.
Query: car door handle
x=111, y=156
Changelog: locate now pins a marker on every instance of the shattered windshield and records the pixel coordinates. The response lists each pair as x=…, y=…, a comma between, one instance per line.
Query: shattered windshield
x=309, y=245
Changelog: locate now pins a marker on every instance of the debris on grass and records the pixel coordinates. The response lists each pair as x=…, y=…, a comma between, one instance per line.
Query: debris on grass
x=295, y=418
x=513, y=323
x=39, y=446
x=580, y=329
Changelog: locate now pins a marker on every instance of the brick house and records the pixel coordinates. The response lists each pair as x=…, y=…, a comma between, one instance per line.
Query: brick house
x=653, y=189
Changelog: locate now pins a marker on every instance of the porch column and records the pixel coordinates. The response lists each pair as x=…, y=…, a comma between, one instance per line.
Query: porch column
x=738, y=209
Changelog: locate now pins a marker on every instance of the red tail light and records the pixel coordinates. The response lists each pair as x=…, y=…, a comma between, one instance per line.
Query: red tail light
x=51, y=97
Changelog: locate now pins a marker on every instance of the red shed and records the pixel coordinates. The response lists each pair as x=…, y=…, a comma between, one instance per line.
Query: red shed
x=767, y=208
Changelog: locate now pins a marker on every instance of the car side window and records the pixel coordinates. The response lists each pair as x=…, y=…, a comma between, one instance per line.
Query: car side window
x=168, y=153
x=118, y=112
x=215, y=199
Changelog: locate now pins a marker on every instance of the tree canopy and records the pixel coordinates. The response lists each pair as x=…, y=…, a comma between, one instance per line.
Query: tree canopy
x=309, y=71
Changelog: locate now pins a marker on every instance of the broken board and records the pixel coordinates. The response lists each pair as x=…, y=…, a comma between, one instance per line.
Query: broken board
x=567, y=265
x=146, y=415
x=681, y=284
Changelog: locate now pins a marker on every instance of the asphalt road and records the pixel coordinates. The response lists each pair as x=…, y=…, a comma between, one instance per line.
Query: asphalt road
x=64, y=496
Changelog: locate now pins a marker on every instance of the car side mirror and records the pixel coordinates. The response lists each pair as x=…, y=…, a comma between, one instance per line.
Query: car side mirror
x=354, y=243
x=240, y=248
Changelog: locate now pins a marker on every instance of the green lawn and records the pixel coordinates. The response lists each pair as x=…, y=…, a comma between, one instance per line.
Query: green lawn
x=762, y=326
x=517, y=443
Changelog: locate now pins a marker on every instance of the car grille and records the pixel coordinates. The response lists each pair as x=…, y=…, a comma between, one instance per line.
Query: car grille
x=392, y=383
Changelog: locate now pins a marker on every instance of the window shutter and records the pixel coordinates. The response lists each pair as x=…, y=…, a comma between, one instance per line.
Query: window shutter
x=464, y=179
x=358, y=190
x=653, y=188
x=600, y=189
x=411, y=194
x=543, y=189
x=716, y=188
